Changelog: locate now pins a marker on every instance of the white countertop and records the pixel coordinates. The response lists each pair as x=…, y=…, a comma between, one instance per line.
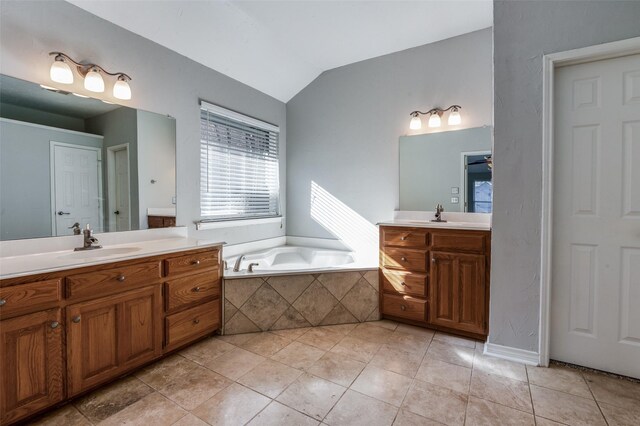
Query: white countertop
x=469, y=226
x=37, y=263
x=454, y=220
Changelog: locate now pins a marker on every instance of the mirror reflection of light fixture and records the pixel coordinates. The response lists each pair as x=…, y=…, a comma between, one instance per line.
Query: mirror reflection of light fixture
x=61, y=72
x=435, y=119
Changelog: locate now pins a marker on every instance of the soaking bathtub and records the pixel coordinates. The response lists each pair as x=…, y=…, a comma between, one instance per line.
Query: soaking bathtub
x=297, y=286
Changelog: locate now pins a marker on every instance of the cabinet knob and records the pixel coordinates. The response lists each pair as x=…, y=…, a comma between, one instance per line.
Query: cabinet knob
x=403, y=283
x=3, y=302
x=196, y=289
x=402, y=307
x=403, y=238
x=195, y=262
x=196, y=321
x=55, y=324
x=76, y=319
x=121, y=278
x=433, y=260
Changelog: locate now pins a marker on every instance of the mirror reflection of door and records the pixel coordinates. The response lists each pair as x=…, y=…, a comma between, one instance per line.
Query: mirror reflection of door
x=76, y=187
x=478, y=184
x=118, y=182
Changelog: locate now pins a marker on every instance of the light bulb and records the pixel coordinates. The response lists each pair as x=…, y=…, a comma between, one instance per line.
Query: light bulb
x=60, y=72
x=121, y=89
x=93, y=81
x=454, y=118
x=434, y=120
x=415, y=123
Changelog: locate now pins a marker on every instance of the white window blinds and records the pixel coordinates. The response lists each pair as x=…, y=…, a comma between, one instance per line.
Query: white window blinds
x=238, y=166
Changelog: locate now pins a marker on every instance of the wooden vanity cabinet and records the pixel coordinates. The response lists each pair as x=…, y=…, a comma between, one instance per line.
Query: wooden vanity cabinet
x=436, y=278
x=67, y=332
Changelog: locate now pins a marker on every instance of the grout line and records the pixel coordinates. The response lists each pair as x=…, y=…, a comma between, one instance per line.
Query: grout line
x=533, y=407
x=594, y=398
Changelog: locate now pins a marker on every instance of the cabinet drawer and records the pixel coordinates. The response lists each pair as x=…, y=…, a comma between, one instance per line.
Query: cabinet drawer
x=189, y=290
x=404, y=307
x=24, y=298
x=192, y=323
x=404, y=282
x=114, y=280
x=404, y=238
x=191, y=263
x=400, y=258
x=463, y=242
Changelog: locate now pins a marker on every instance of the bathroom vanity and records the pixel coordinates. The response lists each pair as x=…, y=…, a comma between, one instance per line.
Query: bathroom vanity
x=436, y=277
x=68, y=330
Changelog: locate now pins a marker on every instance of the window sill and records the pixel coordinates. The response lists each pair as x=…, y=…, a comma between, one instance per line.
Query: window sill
x=237, y=223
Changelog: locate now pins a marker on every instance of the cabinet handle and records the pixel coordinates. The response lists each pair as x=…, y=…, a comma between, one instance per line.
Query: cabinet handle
x=404, y=259
x=76, y=319
x=195, y=262
x=196, y=321
x=3, y=302
x=121, y=278
x=195, y=289
x=403, y=308
x=55, y=324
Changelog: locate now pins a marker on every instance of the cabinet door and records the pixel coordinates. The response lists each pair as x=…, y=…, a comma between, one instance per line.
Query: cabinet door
x=31, y=365
x=112, y=334
x=457, y=291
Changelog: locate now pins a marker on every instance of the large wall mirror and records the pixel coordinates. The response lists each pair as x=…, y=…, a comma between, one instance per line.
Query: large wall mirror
x=449, y=168
x=67, y=159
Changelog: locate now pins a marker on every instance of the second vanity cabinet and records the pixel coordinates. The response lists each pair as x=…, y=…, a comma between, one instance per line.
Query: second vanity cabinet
x=64, y=333
x=436, y=277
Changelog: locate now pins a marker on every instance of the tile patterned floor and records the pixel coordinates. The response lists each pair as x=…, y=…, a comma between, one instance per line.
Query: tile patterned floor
x=376, y=373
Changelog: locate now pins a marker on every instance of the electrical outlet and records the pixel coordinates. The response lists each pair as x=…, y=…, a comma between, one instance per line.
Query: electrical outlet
x=455, y=200
x=455, y=190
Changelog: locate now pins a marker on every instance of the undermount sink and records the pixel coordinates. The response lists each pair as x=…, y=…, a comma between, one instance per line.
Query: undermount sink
x=450, y=224
x=102, y=252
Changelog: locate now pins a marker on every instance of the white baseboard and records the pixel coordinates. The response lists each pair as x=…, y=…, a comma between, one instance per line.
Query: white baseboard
x=512, y=354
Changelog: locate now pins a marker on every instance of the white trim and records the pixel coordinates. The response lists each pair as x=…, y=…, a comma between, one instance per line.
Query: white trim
x=111, y=164
x=511, y=354
x=237, y=223
x=43, y=126
x=550, y=62
x=463, y=178
x=238, y=117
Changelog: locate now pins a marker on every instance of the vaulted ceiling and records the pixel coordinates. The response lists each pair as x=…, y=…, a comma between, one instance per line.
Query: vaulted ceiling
x=279, y=47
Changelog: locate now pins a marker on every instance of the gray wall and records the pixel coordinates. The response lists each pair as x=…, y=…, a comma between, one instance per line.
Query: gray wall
x=30, y=115
x=523, y=32
x=163, y=82
x=25, y=177
x=343, y=128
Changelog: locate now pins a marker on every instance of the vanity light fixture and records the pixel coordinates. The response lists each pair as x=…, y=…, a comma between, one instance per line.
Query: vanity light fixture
x=61, y=73
x=435, y=117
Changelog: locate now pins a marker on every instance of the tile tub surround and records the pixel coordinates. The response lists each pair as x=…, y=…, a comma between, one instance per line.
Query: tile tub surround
x=350, y=379
x=297, y=301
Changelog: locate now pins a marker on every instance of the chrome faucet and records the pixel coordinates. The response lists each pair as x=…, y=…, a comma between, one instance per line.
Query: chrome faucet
x=76, y=228
x=89, y=240
x=439, y=210
x=236, y=267
x=251, y=265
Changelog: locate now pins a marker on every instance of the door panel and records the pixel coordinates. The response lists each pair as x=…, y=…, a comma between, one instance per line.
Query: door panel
x=122, y=190
x=471, y=292
x=141, y=331
x=443, y=291
x=595, y=283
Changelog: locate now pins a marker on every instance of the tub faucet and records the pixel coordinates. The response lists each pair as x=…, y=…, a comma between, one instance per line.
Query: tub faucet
x=236, y=267
x=89, y=240
x=251, y=265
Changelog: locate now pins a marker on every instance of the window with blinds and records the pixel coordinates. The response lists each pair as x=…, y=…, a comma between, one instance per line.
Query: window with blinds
x=238, y=166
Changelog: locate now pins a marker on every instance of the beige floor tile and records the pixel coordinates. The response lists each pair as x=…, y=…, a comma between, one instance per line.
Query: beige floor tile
x=560, y=379
x=190, y=420
x=486, y=413
x=355, y=409
x=409, y=342
x=436, y=403
x=265, y=344
x=454, y=340
x=312, y=396
x=407, y=418
x=236, y=363
x=454, y=377
x=612, y=390
x=270, y=378
x=393, y=359
x=453, y=354
x=425, y=333
x=207, y=351
x=501, y=367
x=541, y=421
x=291, y=333
x=298, y=355
x=391, y=325
x=65, y=416
x=356, y=349
x=164, y=371
x=371, y=333
x=500, y=389
x=153, y=409
x=617, y=416
x=237, y=339
x=343, y=329
x=234, y=405
x=382, y=384
x=337, y=368
x=565, y=408
x=322, y=337
x=111, y=399
x=277, y=414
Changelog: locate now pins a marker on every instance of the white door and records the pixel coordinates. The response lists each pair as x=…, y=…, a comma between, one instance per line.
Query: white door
x=121, y=208
x=595, y=289
x=76, y=191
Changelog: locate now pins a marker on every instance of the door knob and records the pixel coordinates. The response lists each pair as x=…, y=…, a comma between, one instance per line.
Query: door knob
x=76, y=319
x=60, y=213
x=116, y=212
x=55, y=324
